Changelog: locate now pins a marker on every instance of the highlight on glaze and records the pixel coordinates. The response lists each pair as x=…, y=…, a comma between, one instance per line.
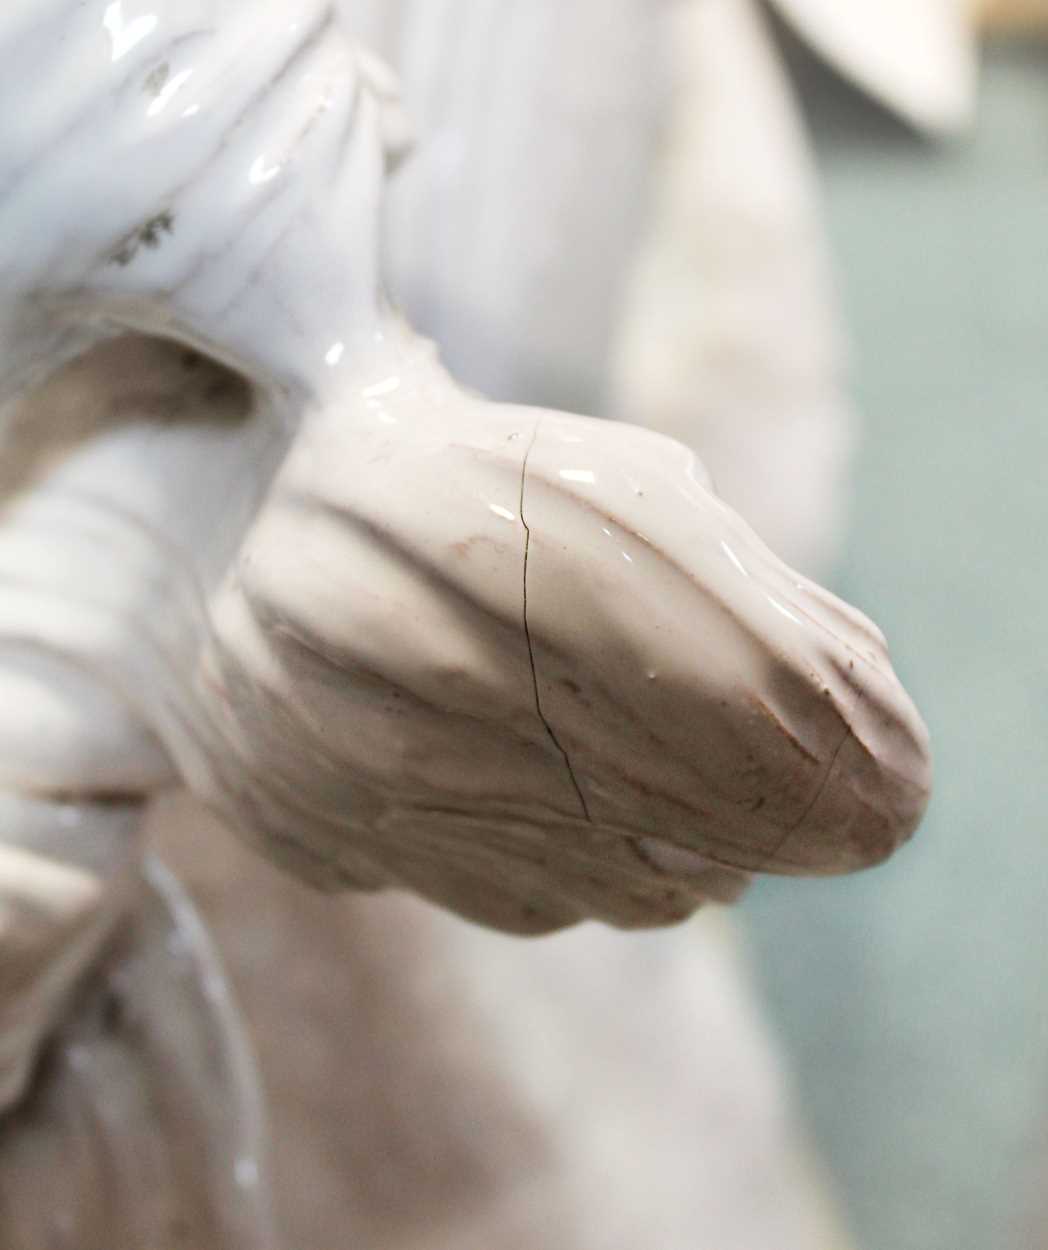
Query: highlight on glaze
x=344, y=544
x=255, y=540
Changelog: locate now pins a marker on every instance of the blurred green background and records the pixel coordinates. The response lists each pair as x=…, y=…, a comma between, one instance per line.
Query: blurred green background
x=913, y=1000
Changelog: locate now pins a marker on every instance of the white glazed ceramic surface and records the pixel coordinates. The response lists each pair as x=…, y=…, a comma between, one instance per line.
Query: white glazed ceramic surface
x=511, y=229
x=254, y=540
x=525, y=664
x=67, y=872
x=554, y=143
x=144, y=1126
x=403, y=635
x=917, y=57
x=434, y=1084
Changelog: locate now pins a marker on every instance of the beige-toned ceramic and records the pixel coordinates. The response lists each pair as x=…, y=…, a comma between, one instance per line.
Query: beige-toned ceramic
x=255, y=539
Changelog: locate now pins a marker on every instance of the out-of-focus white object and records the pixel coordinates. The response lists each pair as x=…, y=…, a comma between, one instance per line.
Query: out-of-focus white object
x=917, y=57
x=144, y=1127
x=730, y=338
x=511, y=227
x=441, y=1086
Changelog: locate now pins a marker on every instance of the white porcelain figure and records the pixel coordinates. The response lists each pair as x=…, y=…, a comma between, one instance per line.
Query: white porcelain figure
x=515, y=257
x=255, y=541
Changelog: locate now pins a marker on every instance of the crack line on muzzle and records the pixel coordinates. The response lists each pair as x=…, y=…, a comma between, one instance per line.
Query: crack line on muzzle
x=527, y=634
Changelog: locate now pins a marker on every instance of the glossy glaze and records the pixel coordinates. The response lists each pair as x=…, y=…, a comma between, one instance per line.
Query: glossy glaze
x=524, y=663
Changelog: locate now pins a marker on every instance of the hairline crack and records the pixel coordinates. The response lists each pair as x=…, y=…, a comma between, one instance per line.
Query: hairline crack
x=527, y=632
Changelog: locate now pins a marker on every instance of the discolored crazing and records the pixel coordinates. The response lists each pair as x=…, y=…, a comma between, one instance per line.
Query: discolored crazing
x=150, y=234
